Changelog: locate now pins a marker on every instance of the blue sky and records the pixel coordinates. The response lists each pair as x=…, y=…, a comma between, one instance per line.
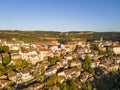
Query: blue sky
x=60, y=15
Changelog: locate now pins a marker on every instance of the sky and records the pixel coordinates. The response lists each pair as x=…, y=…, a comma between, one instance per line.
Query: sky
x=60, y=15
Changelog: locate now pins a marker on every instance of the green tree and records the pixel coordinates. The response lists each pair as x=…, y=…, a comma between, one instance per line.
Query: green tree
x=71, y=85
x=53, y=60
x=87, y=63
x=101, y=52
x=4, y=48
x=91, y=70
x=109, y=52
x=87, y=86
x=6, y=60
x=21, y=63
x=94, y=47
x=2, y=68
x=42, y=70
x=52, y=80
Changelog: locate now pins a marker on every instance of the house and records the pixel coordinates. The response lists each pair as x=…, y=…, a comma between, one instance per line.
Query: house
x=117, y=61
x=75, y=55
x=26, y=53
x=12, y=76
x=42, y=64
x=33, y=59
x=44, y=53
x=95, y=52
x=68, y=56
x=63, y=62
x=106, y=72
x=25, y=74
x=75, y=72
x=68, y=47
x=116, y=49
x=57, y=66
x=69, y=73
x=38, y=86
x=3, y=42
x=113, y=67
x=95, y=63
x=54, y=88
x=74, y=62
x=3, y=83
x=79, y=42
x=79, y=84
x=102, y=66
x=0, y=59
x=14, y=47
x=50, y=71
x=90, y=79
x=3, y=77
x=26, y=45
x=80, y=49
x=57, y=53
x=62, y=79
x=62, y=73
x=16, y=57
x=53, y=47
x=103, y=70
x=84, y=77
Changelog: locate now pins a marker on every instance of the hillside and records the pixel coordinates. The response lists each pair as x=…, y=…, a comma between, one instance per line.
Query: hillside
x=45, y=35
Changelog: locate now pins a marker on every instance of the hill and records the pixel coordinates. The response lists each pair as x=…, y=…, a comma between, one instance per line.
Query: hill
x=45, y=35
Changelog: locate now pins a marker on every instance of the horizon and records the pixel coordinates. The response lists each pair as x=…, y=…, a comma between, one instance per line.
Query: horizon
x=59, y=31
x=60, y=15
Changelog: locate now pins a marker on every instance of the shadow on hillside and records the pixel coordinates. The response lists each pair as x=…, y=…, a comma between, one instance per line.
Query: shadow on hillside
x=110, y=81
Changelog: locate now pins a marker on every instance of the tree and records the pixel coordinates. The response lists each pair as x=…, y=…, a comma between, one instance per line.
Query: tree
x=42, y=70
x=109, y=52
x=94, y=47
x=69, y=85
x=91, y=70
x=1, y=69
x=87, y=63
x=87, y=86
x=6, y=60
x=52, y=80
x=53, y=60
x=21, y=63
x=4, y=48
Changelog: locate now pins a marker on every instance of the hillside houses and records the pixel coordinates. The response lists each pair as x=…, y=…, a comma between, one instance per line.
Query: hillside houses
x=25, y=74
x=68, y=58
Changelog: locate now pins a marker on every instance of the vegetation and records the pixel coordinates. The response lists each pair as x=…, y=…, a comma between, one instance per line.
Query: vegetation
x=101, y=52
x=52, y=80
x=6, y=60
x=87, y=86
x=42, y=70
x=70, y=85
x=95, y=47
x=109, y=82
x=53, y=60
x=18, y=64
x=4, y=49
x=87, y=63
x=62, y=37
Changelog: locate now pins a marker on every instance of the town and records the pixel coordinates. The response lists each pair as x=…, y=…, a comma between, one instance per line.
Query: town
x=51, y=65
